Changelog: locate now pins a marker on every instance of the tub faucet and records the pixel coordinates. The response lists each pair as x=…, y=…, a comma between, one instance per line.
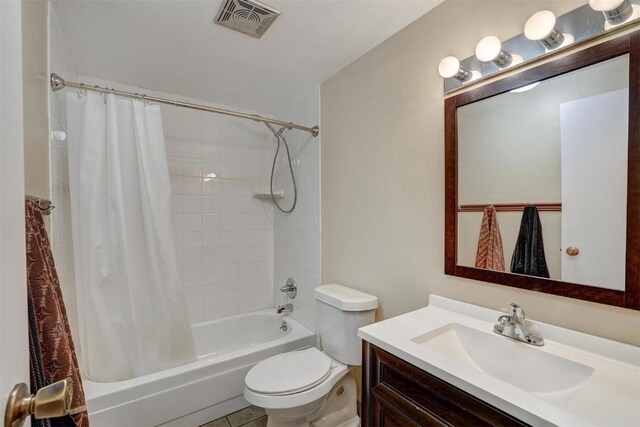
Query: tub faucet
x=287, y=308
x=514, y=326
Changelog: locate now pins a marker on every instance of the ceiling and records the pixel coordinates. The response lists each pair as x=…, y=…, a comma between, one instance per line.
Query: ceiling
x=174, y=46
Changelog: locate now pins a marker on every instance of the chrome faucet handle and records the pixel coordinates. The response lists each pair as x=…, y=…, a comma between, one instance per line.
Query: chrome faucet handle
x=513, y=325
x=515, y=311
x=505, y=320
x=290, y=288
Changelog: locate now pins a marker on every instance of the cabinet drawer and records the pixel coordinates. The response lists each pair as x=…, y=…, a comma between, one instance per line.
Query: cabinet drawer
x=389, y=407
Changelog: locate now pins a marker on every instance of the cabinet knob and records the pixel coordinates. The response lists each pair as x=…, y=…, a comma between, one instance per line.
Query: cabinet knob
x=572, y=251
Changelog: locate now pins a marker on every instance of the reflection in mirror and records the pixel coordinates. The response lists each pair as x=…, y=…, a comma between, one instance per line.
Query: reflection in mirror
x=542, y=178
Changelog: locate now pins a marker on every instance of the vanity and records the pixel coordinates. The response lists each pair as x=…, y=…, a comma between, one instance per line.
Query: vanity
x=443, y=365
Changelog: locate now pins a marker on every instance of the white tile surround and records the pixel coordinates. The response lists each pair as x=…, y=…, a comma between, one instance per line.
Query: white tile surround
x=297, y=235
x=224, y=236
x=231, y=246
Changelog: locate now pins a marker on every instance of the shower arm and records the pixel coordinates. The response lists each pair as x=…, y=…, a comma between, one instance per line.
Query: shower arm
x=58, y=83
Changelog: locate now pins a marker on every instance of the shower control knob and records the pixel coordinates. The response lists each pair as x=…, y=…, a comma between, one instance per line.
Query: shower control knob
x=290, y=288
x=572, y=251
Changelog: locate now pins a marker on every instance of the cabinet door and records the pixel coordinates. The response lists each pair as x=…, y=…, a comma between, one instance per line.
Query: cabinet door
x=390, y=409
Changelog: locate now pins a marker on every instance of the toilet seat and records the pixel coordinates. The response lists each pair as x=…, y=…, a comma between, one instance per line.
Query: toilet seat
x=291, y=399
x=289, y=373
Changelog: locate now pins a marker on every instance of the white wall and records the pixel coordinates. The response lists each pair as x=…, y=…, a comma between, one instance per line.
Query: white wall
x=297, y=235
x=35, y=79
x=224, y=236
x=383, y=172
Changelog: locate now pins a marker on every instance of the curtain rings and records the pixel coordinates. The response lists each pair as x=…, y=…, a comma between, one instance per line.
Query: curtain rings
x=82, y=92
x=142, y=98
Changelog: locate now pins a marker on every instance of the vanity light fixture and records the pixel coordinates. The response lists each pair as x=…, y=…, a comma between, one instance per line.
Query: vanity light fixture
x=541, y=26
x=490, y=49
x=615, y=11
x=450, y=67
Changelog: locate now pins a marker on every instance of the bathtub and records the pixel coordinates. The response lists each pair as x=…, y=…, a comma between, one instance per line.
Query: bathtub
x=201, y=391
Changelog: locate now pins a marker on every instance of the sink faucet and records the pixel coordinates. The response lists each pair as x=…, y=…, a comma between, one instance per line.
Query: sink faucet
x=286, y=308
x=514, y=326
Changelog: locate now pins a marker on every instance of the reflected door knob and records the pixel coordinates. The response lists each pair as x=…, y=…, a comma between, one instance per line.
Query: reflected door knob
x=572, y=251
x=51, y=401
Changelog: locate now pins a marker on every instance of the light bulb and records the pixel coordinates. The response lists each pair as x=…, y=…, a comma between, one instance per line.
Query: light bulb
x=490, y=49
x=525, y=88
x=602, y=5
x=615, y=11
x=541, y=26
x=450, y=67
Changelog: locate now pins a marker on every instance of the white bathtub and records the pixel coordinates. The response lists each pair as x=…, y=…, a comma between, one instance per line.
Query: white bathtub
x=198, y=392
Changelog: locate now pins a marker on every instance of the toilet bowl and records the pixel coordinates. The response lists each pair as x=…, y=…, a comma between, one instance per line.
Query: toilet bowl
x=303, y=388
x=311, y=387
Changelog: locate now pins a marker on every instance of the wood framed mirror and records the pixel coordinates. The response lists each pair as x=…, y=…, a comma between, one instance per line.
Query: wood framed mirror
x=553, y=153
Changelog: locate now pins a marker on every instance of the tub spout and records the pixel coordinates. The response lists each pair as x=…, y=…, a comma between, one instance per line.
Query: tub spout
x=287, y=308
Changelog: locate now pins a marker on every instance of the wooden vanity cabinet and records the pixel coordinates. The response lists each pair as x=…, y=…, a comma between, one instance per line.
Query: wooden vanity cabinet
x=396, y=393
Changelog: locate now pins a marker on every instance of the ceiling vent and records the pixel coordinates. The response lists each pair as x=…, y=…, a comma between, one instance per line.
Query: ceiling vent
x=246, y=16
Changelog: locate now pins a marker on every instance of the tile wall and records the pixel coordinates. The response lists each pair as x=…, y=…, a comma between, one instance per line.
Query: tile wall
x=224, y=235
x=297, y=235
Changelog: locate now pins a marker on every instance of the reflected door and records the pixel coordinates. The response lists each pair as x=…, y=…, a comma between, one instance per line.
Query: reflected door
x=594, y=145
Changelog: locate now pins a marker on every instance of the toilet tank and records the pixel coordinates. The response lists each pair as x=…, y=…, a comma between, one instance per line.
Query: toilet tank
x=340, y=312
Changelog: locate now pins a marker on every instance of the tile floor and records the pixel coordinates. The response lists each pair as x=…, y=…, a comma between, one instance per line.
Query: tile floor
x=251, y=416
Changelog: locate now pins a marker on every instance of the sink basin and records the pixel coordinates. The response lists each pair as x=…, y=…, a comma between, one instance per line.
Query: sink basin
x=516, y=363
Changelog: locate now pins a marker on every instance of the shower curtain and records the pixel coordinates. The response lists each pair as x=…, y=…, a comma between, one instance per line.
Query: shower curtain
x=131, y=309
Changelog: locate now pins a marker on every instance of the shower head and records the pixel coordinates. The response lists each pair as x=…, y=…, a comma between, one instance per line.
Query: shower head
x=276, y=133
x=249, y=17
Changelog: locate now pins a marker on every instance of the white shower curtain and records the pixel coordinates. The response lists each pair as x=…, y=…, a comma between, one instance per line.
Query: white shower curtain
x=131, y=309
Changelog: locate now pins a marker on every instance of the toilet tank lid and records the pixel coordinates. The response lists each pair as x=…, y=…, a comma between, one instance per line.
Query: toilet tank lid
x=345, y=298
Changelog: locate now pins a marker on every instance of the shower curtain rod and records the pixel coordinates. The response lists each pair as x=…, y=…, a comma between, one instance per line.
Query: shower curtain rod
x=58, y=83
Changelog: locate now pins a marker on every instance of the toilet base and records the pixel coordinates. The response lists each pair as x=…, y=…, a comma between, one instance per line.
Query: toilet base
x=337, y=409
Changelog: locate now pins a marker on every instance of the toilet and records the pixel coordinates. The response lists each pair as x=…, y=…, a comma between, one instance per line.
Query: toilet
x=311, y=387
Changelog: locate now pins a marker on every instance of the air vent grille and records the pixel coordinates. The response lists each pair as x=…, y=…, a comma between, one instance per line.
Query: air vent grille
x=246, y=16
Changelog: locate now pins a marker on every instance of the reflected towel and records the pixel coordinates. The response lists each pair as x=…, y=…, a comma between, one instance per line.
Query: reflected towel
x=528, y=256
x=490, y=254
x=53, y=356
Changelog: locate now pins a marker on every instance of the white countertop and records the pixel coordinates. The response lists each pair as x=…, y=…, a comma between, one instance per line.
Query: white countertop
x=609, y=397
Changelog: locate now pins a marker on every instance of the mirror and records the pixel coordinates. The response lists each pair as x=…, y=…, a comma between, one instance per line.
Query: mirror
x=561, y=142
x=541, y=186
